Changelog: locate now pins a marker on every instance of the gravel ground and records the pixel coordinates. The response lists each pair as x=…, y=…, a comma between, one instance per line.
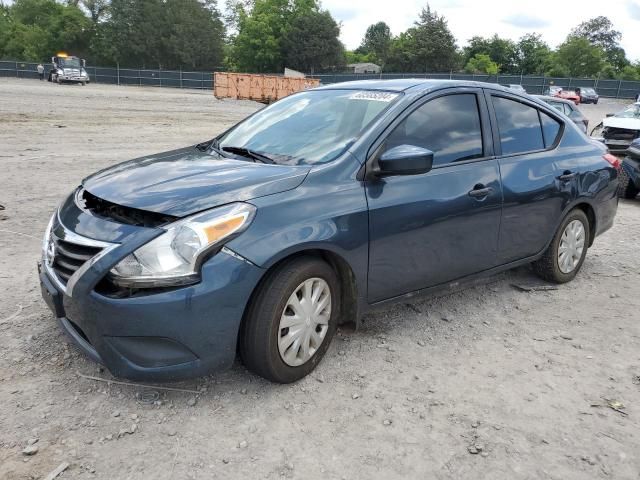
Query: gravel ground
x=491, y=383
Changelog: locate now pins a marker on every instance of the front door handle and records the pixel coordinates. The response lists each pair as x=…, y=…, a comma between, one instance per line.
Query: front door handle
x=480, y=191
x=566, y=176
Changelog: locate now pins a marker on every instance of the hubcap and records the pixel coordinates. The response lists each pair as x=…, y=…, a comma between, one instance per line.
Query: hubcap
x=571, y=246
x=304, y=322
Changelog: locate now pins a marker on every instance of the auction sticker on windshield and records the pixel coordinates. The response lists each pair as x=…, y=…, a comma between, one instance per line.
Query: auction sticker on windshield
x=373, y=95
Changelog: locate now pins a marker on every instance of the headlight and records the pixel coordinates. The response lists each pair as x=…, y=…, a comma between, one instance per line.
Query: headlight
x=174, y=258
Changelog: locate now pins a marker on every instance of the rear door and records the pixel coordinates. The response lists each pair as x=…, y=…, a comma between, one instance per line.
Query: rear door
x=538, y=180
x=438, y=226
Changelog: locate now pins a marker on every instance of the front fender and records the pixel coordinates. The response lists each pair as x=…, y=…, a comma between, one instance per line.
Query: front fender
x=328, y=216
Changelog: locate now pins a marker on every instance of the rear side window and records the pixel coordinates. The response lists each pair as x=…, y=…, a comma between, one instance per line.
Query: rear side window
x=519, y=126
x=557, y=105
x=449, y=126
x=550, y=129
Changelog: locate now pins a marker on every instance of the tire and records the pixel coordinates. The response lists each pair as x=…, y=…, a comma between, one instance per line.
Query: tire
x=259, y=345
x=627, y=188
x=548, y=266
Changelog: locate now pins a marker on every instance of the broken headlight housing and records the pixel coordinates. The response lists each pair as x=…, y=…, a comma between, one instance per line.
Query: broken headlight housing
x=174, y=257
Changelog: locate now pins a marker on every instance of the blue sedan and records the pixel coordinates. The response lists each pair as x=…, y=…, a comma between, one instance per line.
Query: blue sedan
x=311, y=212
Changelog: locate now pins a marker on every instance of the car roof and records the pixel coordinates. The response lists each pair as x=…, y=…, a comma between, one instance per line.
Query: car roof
x=410, y=84
x=546, y=98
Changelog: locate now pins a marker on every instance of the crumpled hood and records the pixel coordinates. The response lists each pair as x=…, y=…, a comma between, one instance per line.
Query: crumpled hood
x=186, y=181
x=618, y=122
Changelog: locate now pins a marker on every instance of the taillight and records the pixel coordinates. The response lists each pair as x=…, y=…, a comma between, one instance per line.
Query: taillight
x=612, y=159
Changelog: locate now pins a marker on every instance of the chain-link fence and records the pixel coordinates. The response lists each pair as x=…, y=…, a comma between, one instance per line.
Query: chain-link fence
x=532, y=84
x=119, y=76
x=204, y=80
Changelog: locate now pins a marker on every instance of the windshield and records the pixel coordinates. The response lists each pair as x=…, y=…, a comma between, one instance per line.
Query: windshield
x=69, y=62
x=309, y=127
x=588, y=91
x=632, y=111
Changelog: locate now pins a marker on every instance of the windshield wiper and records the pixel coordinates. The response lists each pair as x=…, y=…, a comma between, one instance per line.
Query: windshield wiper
x=245, y=152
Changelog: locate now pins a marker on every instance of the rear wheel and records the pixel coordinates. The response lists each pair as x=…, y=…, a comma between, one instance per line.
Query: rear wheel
x=291, y=320
x=628, y=189
x=565, y=255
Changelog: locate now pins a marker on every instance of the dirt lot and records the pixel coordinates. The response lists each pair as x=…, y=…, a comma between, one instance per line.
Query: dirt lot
x=491, y=383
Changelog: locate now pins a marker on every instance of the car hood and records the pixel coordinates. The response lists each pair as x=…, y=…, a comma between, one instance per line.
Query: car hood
x=619, y=122
x=186, y=181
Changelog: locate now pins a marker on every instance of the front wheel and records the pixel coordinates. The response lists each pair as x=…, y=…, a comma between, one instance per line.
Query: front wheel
x=564, y=257
x=291, y=320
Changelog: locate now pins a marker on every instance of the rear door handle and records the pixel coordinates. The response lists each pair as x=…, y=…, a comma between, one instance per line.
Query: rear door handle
x=480, y=191
x=566, y=176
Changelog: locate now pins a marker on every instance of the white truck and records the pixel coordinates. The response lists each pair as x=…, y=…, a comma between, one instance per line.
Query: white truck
x=68, y=69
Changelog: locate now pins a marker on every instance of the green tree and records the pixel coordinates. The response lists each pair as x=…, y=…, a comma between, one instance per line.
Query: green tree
x=377, y=43
x=257, y=46
x=577, y=57
x=161, y=33
x=433, y=44
x=264, y=41
x=630, y=72
x=481, y=64
x=402, y=54
x=533, y=54
x=601, y=33
x=311, y=44
x=502, y=51
x=37, y=29
x=357, y=57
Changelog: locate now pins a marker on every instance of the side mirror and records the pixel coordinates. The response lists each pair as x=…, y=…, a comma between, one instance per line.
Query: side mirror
x=610, y=115
x=405, y=160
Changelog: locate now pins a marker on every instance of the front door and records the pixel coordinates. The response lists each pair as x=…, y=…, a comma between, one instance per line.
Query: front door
x=433, y=228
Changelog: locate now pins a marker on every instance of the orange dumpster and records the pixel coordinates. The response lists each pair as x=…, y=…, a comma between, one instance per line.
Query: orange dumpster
x=260, y=88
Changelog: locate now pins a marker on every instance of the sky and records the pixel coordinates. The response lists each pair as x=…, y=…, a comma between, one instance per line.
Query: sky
x=509, y=19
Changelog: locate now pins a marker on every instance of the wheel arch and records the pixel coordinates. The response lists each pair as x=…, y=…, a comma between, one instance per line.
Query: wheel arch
x=349, y=306
x=590, y=212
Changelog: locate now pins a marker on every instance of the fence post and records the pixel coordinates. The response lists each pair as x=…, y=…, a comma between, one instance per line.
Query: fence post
x=180, y=77
x=619, y=85
x=17, y=76
x=118, y=70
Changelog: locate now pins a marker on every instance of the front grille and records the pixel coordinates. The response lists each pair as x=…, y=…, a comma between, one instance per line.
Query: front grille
x=68, y=257
x=611, y=133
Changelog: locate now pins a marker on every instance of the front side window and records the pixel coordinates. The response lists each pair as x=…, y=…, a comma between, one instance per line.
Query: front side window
x=519, y=126
x=309, y=127
x=449, y=126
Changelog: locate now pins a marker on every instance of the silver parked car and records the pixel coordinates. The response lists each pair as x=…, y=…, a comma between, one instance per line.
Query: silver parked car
x=568, y=108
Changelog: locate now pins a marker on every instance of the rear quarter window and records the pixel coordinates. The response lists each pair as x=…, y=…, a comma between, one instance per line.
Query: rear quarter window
x=550, y=129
